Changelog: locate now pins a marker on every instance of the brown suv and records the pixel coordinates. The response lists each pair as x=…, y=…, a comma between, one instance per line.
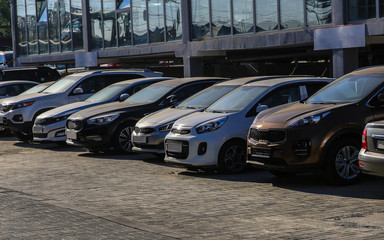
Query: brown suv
x=321, y=133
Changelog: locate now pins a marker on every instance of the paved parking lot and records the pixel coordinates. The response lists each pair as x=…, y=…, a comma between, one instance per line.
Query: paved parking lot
x=52, y=192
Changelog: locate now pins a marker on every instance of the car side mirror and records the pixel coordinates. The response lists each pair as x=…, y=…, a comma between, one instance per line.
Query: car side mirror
x=78, y=91
x=380, y=97
x=261, y=108
x=123, y=97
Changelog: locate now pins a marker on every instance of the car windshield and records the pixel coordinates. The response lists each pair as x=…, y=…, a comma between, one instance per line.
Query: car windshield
x=150, y=94
x=237, y=100
x=206, y=97
x=351, y=88
x=62, y=85
x=35, y=89
x=105, y=94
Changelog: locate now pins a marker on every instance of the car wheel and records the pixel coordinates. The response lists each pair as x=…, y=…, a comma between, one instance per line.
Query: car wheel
x=122, y=139
x=232, y=157
x=342, y=164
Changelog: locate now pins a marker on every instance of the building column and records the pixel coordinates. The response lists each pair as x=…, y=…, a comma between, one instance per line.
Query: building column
x=186, y=21
x=344, y=61
x=193, y=66
x=13, y=5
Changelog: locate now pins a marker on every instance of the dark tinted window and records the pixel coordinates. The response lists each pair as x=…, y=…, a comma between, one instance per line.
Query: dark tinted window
x=314, y=87
x=189, y=90
x=281, y=96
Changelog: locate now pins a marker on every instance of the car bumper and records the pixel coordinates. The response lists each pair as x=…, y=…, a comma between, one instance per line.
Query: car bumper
x=50, y=133
x=371, y=163
x=150, y=143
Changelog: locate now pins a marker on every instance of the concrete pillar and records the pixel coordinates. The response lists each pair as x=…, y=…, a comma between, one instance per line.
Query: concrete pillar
x=13, y=5
x=193, y=66
x=86, y=26
x=344, y=61
x=186, y=21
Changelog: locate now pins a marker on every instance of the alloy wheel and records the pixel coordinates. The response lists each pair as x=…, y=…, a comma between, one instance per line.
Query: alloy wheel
x=234, y=158
x=346, y=162
x=125, y=138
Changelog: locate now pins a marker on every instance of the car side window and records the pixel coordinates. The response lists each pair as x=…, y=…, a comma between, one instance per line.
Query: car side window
x=137, y=88
x=91, y=84
x=13, y=90
x=281, y=96
x=189, y=90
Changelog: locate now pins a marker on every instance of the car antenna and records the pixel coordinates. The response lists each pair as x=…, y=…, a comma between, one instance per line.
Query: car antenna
x=322, y=75
x=294, y=69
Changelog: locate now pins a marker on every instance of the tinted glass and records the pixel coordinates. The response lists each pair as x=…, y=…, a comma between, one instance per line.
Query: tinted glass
x=200, y=19
x=53, y=19
x=242, y=16
x=21, y=27
x=266, y=15
x=106, y=94
x=150, y=94
x=77, y=24
x=173, y=19
x=292, y=13
x=65, y=22
x=96, y=23
x=156, y=20
x=109, y=23
x=35, y=89
x=281, y=96
x=361, y=9
x=124, y=28
x=381, y=8
x=319, y=12
x=221, y=17
x=62, y=85
x=139, y=16
x=42, y=26
x=31, y=22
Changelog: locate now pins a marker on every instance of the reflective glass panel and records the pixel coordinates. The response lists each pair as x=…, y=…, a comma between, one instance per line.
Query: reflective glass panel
x=221, y=17
x=381, y=8
x=200, y=19
x=242, y=16
x=292, y=13
x=173, y=20
x=319, y=12
x=124, y=27
x=266, y=15
x=139, y=16
x=109, y=7
x=96, y=23
x=21, y=28
x=65, y=22
x=53, y=19
x=42, y=26
x=31, y=21
x=156, y=20
x=77, y=24
x=361, y=9
x=121, y=4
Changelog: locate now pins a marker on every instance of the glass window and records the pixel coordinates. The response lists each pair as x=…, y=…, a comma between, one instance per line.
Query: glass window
x=156, y=20
x=42, y=26
x=31, y=22
x=173, y=20
x=124, y=23
x=53, y=18
x=266, y=15
x=292, y=13
x=96, y=24
x=109, y=23
x=62, y=85
x=319, y=12
x=381, y=8
x=21, y=27
x=361, y=9
x=221, y=17
x=150, y=94
x=281, y=96
x=242, y=16
x=200, y=19
x=77, y=24
x=139, y=16
x=189, y=90
x=65, y=22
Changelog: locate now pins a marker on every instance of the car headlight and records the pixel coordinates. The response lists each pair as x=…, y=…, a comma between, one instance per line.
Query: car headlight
x=23, y=104
x=309, y=120
x=104, y=119
x=166, y=127
x=211, y=125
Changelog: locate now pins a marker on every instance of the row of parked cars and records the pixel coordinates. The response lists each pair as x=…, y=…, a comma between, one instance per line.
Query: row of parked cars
x=285, y=124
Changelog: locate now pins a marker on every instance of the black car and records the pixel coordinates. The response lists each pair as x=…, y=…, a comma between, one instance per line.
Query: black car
x=36, y=74
x=110, y=125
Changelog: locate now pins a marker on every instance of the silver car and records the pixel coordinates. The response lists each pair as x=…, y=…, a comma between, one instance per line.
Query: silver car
x=371, y=155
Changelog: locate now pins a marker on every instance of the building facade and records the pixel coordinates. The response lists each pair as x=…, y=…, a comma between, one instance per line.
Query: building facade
x=200, y=37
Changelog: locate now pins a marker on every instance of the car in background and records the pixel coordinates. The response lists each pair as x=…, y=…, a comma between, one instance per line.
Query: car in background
x=6, y=58
x=371, y=155
x=13, y=88
x=151, y=130
x=322, y=133
x=36, y=74
x=111, y=125
x=216, y=138
x=19, y=113
x=50, y=125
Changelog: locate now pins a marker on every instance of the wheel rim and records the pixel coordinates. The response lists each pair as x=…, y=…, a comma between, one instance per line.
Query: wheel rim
x=125, y=139
x=234, y=158
x=347, y=162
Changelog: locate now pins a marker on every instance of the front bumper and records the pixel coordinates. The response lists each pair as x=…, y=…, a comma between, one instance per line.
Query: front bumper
x=49, y=133
x=371, y=163
x=16, y=122
x=150, y=143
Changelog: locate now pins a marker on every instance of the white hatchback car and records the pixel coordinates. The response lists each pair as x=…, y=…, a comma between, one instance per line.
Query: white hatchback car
x=217, y=137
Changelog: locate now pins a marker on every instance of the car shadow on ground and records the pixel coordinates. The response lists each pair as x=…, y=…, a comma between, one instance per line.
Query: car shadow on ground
x=48, y=146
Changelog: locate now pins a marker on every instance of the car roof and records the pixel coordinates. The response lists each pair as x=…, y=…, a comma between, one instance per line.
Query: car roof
x=289, y=80
x=245, y=80
x=4, y=83
x=115, y=71
x=136, y=80
x=180, y=81
x=369, y=70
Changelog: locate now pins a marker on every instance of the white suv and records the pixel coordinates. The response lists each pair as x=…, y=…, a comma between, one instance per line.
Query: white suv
x=18, y=113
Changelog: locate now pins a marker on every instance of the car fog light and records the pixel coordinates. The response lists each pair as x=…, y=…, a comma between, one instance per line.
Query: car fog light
x=94, y=138
x=202, y=148
x=18, y=118
x=60, y=133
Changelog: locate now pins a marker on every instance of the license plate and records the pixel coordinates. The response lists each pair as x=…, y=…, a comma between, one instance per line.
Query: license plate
x=38, y=129
x=140, y=139
x=175, y=147
x=380, y=144
x=261, y=152
x=71, y=135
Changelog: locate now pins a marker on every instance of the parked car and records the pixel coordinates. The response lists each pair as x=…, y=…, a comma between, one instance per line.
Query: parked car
x=216, y=138
x=36, y=74
x=322, y=133
x=6, y=58
x=13, y=88
x=111, y=125
x=50, y=125
x=18, y=113
x=151, y=130
x=371, y=155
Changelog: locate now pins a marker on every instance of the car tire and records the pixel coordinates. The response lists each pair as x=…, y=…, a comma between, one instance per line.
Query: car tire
x=232, y=157
x=122, y=139
x=342, y=164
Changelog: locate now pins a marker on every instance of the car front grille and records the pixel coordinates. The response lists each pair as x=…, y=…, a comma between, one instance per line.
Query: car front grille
x=271, y=136
x=144, y=130
x=184, y=152
x=40, y=135
x=180, y=131
x=75, y=124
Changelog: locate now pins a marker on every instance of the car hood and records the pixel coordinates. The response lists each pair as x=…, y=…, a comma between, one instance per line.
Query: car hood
x=68, y=109
x=197, y=118
x=164, y=116
x=29, y=97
